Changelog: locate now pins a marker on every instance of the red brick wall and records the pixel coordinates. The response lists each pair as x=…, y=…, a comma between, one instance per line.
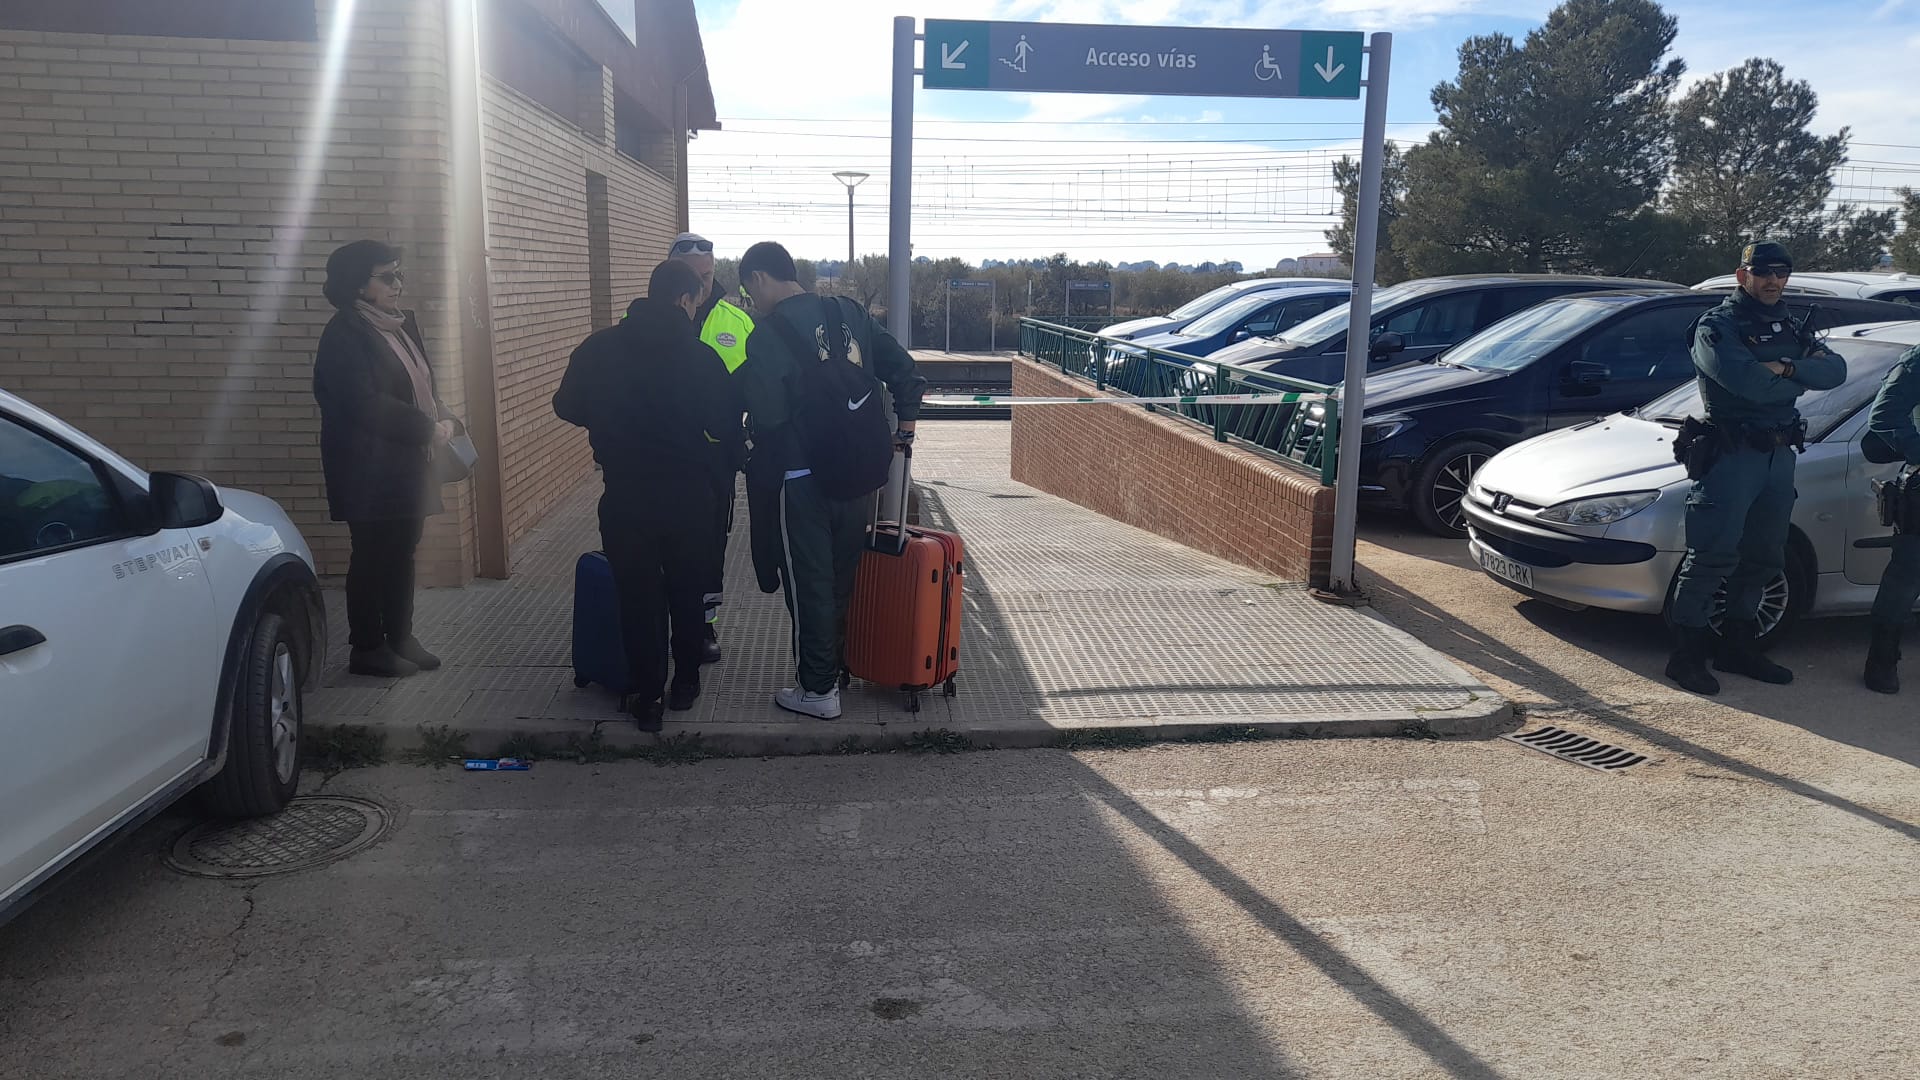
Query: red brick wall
x=1171, y=478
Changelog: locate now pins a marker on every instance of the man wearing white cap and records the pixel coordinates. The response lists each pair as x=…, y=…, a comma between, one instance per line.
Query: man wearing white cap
x=724, y=327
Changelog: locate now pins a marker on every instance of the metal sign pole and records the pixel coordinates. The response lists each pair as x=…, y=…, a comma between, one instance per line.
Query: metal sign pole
x=993, y=319
x=949, y=316
x=1346, y=485
x=900, y=188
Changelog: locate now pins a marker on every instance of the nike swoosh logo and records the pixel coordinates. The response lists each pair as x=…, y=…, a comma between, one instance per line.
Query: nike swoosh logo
x=854, y=406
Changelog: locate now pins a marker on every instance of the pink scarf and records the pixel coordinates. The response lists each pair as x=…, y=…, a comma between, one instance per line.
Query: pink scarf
x=393, y=327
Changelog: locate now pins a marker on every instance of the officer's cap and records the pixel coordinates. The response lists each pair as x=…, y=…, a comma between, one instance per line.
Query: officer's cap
x=1766, y=255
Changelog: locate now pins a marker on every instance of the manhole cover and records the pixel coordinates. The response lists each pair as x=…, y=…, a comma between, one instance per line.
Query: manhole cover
x=1579, y=749
x=311, y=831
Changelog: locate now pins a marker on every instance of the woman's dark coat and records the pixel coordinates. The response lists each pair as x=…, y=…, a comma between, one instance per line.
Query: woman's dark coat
x=376, y=446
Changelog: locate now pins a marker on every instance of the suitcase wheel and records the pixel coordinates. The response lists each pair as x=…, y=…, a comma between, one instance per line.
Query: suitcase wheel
x=846, y=679
x=581, y=683
x=948, y=689
x=913, y=701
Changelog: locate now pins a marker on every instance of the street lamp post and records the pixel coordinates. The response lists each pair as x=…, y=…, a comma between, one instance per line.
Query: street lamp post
x=852, y=180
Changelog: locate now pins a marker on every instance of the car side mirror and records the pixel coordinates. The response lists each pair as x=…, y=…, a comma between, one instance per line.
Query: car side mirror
x=183, y=500
x=1387, y=344
x=1588, y=373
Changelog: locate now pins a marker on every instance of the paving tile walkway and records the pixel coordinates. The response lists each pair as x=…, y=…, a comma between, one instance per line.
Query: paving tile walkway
x=1073, y=622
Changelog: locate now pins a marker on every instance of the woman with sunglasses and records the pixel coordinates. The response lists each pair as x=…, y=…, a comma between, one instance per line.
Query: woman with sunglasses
x=380, y=428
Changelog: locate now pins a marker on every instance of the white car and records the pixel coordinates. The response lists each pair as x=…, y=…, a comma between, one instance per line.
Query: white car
x=1595, y=515
x=155, y=636
x=1898, y=288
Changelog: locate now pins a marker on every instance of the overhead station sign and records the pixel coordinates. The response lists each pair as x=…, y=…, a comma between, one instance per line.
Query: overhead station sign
x=1070, y=58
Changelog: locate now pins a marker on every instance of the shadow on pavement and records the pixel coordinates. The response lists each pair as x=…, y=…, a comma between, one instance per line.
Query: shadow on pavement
x=1469, y=646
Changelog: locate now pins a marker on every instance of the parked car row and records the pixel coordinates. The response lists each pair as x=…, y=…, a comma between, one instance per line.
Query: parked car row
x=1533, y=415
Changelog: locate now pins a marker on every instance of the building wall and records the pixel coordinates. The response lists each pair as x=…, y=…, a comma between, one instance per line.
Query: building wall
x=1173, y=479
x=542, y=277
x=163, y=243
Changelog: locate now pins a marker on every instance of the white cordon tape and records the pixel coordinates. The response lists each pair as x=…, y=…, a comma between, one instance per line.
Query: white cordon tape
x=1198, y=399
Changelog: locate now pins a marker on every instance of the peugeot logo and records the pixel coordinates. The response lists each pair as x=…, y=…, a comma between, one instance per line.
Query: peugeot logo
x=1501, y=501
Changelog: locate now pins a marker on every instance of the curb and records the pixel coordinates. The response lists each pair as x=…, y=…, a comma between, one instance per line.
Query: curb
x=1487, y=714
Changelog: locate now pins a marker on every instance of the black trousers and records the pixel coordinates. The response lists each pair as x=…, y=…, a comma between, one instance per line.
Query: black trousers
x=380, y=581
x=660, y=569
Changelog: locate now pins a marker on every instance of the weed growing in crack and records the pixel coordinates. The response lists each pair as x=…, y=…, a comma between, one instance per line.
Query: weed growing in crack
x=938, y=741
x=438, y=746
x=333, y=748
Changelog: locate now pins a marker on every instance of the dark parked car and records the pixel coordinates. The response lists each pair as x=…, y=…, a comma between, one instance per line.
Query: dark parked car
x=1429, y=427
x=1414, y=320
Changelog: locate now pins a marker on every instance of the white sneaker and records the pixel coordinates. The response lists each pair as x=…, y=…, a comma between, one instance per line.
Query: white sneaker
x=807, y=703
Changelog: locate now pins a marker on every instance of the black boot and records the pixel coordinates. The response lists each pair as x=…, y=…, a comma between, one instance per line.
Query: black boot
x=1687, y=667
x=645, y=710
x=684, y=690
x=710, y=651
x=382, y=662
x=1740, y=656
x=1883, y=660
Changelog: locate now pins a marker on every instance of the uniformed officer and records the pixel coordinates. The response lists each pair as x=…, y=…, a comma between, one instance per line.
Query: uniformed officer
x=1753, y=362
x=724, y=327
x=1893, y=417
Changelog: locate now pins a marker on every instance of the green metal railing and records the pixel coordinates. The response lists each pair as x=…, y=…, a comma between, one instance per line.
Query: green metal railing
x=1301, y=434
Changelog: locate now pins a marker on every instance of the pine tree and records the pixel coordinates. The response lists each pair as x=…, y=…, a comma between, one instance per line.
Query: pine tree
x=1388, y=265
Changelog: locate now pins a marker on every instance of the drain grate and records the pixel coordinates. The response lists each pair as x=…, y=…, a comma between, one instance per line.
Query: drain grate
x=1579, y=749
x=311, y=831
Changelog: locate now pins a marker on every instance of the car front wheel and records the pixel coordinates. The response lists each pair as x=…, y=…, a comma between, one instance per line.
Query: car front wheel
x=1439, y=495
x=1783, y=600
x=262, y=769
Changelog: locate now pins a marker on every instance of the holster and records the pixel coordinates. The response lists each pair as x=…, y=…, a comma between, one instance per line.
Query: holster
x=1698, y=446
x=1898, y=501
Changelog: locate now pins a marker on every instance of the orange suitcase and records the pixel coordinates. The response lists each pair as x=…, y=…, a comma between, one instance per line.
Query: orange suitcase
x=903, y=627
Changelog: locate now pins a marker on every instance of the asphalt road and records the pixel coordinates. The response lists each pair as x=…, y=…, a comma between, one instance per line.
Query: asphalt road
x=1741, y=907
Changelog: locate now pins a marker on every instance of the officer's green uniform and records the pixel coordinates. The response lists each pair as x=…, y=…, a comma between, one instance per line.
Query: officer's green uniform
x=1739, y=512
x=802, y=539
x=1895, y=411
x=725, y=330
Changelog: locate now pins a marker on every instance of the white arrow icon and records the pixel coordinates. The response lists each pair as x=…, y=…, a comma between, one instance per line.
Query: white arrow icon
x=1329, y=70
x=951, y=60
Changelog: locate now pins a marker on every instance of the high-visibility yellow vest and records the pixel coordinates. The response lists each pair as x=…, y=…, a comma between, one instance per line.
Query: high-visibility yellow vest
x=726, y=331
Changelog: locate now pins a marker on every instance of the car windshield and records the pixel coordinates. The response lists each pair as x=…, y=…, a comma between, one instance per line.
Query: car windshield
x=1519, y=340
x=1332, y=322
x=1225, y=316
x=1824, y=410
x=1203, y=303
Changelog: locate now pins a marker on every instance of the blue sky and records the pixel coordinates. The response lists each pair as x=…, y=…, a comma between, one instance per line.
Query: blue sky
x=803, y=90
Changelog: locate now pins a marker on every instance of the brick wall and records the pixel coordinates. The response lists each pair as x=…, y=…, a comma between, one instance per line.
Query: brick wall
x=542, y=280
x=163, y=246
x=1171, y=478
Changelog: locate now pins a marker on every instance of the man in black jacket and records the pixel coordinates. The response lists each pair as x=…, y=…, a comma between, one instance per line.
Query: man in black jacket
x=662, y=417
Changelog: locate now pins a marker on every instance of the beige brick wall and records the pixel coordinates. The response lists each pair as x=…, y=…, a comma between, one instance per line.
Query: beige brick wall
x=1171, y=478
x=163, y=247
x=537, y=165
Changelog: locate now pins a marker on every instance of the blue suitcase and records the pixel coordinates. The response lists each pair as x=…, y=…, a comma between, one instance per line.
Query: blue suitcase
x=599, y=656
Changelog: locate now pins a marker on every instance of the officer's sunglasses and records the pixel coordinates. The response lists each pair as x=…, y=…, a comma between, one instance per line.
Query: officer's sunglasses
x=688, y=247
x=392, y=279
x=1770, y=271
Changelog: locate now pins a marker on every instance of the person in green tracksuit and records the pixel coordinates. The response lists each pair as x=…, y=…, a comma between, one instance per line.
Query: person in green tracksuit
x=1893, y=418
x=819, y=537
x=1753, y=363
x=724, y=328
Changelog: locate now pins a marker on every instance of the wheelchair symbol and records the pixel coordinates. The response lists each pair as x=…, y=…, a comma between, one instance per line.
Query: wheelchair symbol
x=1265, y=68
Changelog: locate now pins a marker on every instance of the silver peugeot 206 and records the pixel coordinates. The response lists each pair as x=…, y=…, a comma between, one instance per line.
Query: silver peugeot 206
x=1594, y=515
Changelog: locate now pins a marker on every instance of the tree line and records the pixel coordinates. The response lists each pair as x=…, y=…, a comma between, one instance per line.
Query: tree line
x=1571, y=151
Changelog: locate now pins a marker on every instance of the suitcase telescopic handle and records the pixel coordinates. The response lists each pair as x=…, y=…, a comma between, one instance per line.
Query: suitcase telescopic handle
x=905, y=453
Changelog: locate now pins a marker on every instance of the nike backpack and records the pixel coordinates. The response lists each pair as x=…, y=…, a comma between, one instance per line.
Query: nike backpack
x=838, y=411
